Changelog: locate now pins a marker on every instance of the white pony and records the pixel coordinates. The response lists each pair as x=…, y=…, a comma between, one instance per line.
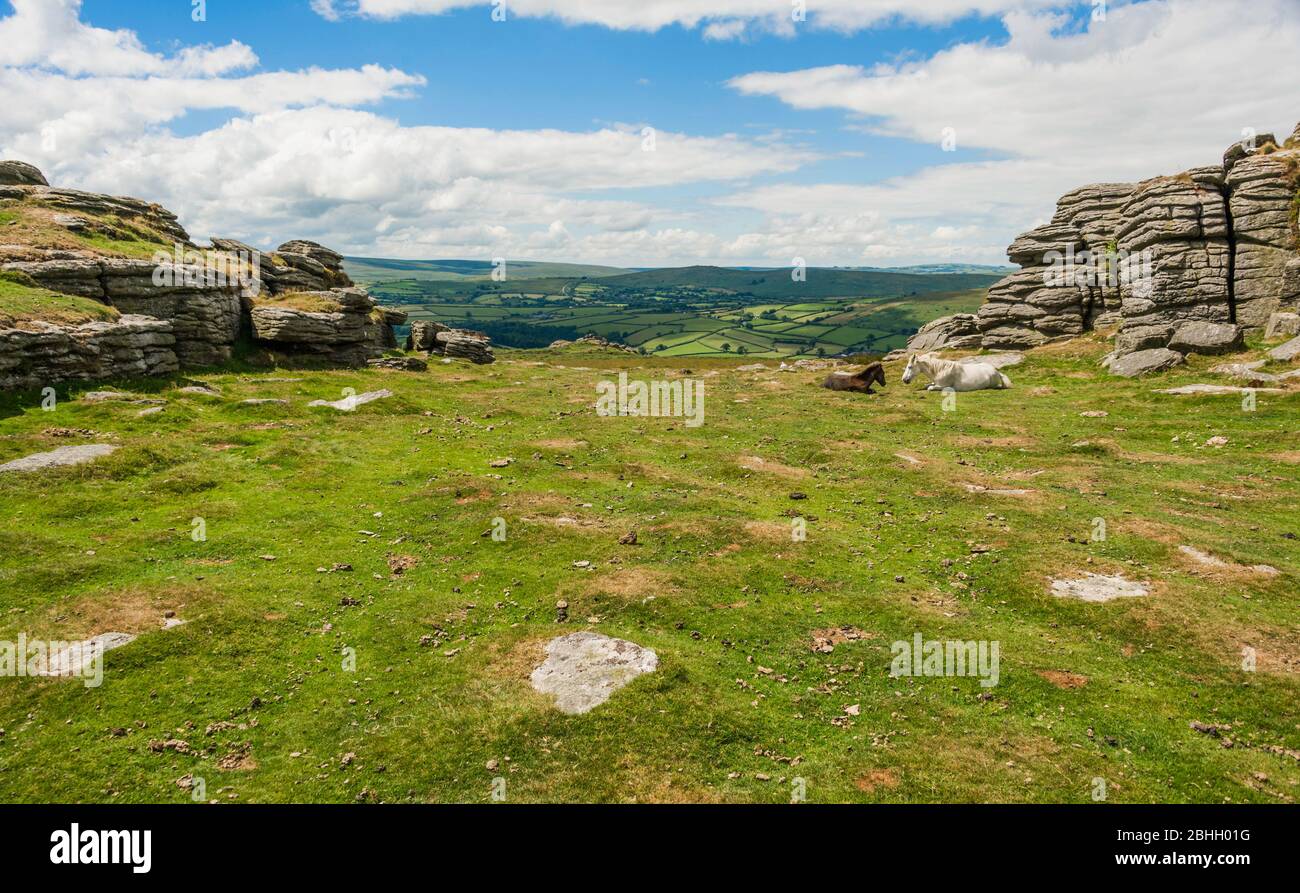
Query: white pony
x=947, y=374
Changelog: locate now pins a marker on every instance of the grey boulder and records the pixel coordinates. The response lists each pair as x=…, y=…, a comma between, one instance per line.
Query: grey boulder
x=1144, y=362
x=1208, y=338
x=1286, y=352
x=20, y=173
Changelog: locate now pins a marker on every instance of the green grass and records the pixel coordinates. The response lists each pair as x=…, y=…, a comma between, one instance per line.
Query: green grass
x=716, y=586
x=22, y=301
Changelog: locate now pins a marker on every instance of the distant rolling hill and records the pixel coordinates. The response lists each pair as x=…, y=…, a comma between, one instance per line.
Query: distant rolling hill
x=979, y=269
x=821, y=282
x=367, y=270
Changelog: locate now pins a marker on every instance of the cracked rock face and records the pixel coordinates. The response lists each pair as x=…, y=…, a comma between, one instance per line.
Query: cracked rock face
x=204, y=312
x=1207, y=338
x=583, y=669
x=350, y=334
x=40, y=353
x=1262, y=191
x=1213, y=245
x=188, y=309
x=439, y=340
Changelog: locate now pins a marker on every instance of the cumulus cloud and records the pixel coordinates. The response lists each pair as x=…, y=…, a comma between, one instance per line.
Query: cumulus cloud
x=721, y=19
x=363, y=182
x=1155, y=88
x=300, y=156
x=50, y=34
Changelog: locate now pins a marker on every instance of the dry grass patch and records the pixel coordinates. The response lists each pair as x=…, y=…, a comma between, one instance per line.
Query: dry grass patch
x=561, y=443
x=623, y=586
x=770, y=531
x=877, y=779
x=133, y=610
x=1011, y=442
x=649, y=784
x=305, y=301
x=1063, y=678
x=769, y=466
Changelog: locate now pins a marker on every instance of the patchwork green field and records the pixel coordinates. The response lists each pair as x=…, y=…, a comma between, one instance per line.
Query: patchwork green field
x=335, y=537
x=689, y=311
x=763, y=331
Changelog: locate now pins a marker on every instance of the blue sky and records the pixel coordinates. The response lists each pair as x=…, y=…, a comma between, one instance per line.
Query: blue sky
x=424, y=128
x=539, y=73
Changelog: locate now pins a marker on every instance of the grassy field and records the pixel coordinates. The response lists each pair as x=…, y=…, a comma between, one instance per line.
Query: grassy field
x=446, y=623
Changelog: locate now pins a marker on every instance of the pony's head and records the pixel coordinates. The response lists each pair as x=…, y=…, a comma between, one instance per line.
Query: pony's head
x=910, y=372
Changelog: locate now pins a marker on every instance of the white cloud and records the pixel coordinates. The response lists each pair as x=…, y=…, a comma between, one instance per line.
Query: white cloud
x=360, y=181
x=50, y=34
x=299, y=158
x=721, y=19
x=1156, y=88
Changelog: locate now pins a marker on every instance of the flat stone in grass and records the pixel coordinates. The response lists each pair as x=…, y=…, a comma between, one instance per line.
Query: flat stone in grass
x=118, y=397
x=1248, y=371
x=76, y=657
x=348, y=404
x=1099, y=588
x=1198, y=389
x=68, y=455
x=263, y=401
x=583, y=669
x=1208, y=560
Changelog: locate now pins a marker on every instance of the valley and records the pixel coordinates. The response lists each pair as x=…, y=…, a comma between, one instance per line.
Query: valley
x=684, y=312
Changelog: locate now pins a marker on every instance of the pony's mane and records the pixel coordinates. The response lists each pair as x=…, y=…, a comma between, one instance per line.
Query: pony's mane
x=938, y=364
